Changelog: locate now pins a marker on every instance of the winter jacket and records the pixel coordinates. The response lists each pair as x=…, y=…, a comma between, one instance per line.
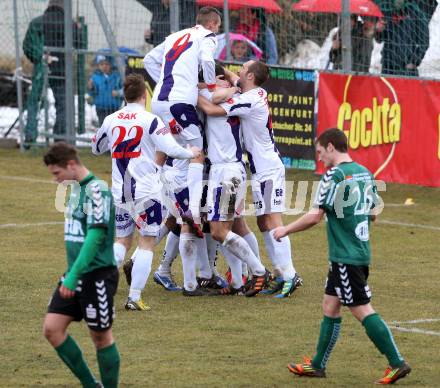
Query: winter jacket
x=103, y=85
x=406, y=39
x=48, y=30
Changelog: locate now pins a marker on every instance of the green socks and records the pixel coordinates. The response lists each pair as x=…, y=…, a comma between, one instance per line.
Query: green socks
x=109, y=360
x=330, y=328
x=72, y=356
x=381, y=336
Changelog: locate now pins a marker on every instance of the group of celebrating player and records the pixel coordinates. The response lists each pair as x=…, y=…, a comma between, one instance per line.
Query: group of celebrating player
x=160, y=164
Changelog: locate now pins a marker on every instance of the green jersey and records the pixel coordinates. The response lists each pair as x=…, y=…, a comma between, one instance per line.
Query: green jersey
x=90, y=205
x=347, y=193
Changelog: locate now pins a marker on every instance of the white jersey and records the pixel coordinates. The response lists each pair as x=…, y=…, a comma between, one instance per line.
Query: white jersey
x=133, y=135
x=175, y=64
x=256, y=124
x=224, y=137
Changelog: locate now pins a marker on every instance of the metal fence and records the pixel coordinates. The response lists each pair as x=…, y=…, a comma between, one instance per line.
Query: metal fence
x=68, y=56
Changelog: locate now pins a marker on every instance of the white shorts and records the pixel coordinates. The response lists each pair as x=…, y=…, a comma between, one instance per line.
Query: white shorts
x=226, y=191
x=269, y=191
x=181, y=118
x=145, y=214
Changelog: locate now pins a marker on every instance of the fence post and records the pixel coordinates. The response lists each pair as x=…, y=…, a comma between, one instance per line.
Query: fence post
x=68, y=49
x=346, y=36
x=226, y=24
x=111, y=40
x=174, y=16
x=18, y=75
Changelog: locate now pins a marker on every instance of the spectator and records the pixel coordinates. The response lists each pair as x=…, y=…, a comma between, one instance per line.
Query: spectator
x=362, y=34
x=253, y=25
x=47, y=30
x=105, y=88
x=240, y=51
x=160, y=24
x=405, y=34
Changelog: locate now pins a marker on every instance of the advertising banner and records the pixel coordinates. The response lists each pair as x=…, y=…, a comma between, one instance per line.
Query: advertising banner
x=290, y=94
x=392, y=124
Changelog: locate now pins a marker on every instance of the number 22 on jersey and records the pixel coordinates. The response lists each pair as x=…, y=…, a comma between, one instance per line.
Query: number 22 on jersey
x=124, y=147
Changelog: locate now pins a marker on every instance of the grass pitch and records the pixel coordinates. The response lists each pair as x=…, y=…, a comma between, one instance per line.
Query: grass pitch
x=222, y=341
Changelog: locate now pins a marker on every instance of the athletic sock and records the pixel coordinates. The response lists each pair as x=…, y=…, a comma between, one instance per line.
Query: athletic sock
x=235, y=265
x=252, y=241
x=205, y=270
x=72, y=356
x=163, y=231
x=140, y=272
x=169, y=254
x=212, y=246
x=109, y=361
x=188, y=253
x=330, y=328
x=195, y=188
x=240, y=248
x=283, y=252
x=268, y=243
x=120, y=252
x=381, y=336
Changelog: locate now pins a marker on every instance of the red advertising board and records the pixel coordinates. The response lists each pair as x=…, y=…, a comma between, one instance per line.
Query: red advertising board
x=392, y=124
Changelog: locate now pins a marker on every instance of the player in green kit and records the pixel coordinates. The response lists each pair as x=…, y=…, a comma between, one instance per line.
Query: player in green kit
x=87, y=288
x=347, y=195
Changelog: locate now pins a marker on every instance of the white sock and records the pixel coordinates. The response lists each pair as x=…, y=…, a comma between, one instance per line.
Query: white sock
x=235, y=265
x=205, y=270
x=252, y=241
x=188, y=253
x=120, y=252
x=268, y=243
x=195, y=187
x=169, y=254
x=161, y=234
x=283, y=252
x=140, y=272
x=240, y=248
x=212, y=246
x=244, y=269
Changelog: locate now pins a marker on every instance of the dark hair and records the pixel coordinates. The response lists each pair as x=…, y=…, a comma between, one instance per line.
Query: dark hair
x=207, y=14
x=219, y=70
x=60, y=154
x=134, y=87
x=334, y=136
x=261, y=72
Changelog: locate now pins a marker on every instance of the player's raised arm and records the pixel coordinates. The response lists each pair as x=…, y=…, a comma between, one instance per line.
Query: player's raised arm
x=100, y=142
x=153, y=61
x=207, y=61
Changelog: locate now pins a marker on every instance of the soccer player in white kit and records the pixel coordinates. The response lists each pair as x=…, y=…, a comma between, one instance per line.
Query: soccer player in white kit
x=136, y=139
x=226, y=197
x=174, y=65
x=268, y=172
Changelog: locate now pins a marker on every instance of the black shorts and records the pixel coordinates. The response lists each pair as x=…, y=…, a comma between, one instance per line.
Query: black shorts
x=93, y=299
x=349, y=283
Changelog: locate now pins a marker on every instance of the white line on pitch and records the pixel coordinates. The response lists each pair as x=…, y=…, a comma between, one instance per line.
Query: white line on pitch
x=426, y=320
x=23, y=178
x=421, y=226
x=415, y=330
x=2, y=226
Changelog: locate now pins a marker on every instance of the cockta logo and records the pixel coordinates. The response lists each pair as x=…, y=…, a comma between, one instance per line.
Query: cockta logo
x=369, y=119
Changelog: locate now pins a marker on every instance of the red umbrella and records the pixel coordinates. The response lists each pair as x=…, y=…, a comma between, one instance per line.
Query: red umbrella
x=358, y=7
x=269, y=5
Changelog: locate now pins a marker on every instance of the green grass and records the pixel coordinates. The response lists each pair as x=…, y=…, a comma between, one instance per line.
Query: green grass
x=217, y=342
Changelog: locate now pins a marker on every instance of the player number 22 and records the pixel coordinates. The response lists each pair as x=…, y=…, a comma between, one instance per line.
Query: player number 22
x=126, y=151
